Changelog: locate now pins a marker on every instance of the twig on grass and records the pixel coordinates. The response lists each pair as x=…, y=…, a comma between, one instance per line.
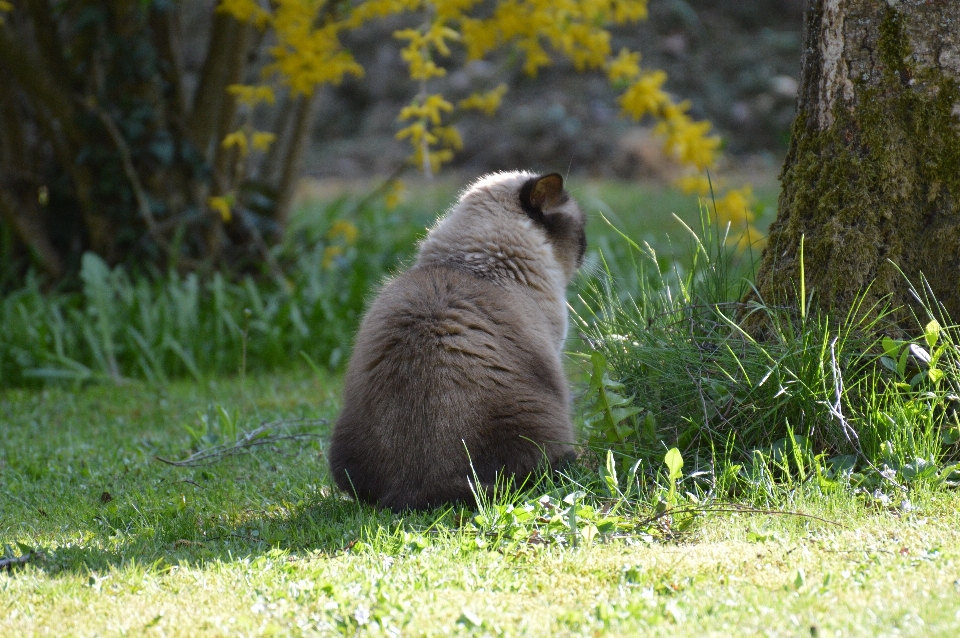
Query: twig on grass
x=753, y=510
x=254, y=438
x=733, y=509
x=11, y=562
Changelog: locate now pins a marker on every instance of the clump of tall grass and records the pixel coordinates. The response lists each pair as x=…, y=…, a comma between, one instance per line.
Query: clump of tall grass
x=828, y=392
x=119, y=326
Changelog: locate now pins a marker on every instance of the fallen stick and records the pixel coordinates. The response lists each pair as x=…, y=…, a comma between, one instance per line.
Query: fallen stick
x=10, y=563
x=253, y=438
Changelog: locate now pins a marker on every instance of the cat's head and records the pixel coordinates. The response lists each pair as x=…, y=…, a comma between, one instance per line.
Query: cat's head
x=522, y=209
x=545, y=201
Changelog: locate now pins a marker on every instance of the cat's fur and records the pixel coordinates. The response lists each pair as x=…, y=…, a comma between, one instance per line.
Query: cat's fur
x=458, y=360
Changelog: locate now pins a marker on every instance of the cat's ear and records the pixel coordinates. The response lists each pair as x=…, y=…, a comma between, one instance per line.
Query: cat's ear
x=540, y=191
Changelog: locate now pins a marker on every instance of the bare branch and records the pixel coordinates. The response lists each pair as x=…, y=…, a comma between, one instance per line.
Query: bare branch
x=29, y=228
x=165, y=25
x=35, y=80
x=214, y=77
x=10, y=563
x=299, y=139
x=48, y=41
x=254, y=438
x=141, y=196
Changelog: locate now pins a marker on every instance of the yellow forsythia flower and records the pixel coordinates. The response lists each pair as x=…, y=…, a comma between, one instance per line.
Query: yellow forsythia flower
x=220, y=204
x=429, y=108
x=245, y=11
x=735, y=207
x=645, y=97
x=261, y=140
x=237, y=139
x=626, y=66
x=395, y=194
x=688, y=141
x=346, y=230
x=487, y=102
x=252, y=95
x=330, y=253
x=698, y=184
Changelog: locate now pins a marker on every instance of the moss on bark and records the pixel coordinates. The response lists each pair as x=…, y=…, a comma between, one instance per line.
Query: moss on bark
x=875, y=189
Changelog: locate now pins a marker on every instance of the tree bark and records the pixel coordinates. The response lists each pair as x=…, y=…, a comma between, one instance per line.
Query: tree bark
x=293, y=160
x=871, y=183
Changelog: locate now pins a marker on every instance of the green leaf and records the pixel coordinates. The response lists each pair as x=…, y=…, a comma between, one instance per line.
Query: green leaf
x=609, y=475
x=890, y=347
x=760, y=537
x=902, y=363
x=931, y=333
x=800, y=579
x=674, y=463
x=935, y=374
x=599, y=367
x=608, y=525
x=469, y=619
x=620, y=414
x=889, y=364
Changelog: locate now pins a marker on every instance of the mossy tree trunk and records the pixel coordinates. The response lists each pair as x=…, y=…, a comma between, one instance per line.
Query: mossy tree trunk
x=871, y=183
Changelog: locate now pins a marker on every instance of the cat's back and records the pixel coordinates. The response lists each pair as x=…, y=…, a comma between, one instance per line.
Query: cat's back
x=434, y=323
x=443, y=366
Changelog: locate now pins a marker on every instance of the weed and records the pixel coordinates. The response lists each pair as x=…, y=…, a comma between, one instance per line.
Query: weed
x=817, y=398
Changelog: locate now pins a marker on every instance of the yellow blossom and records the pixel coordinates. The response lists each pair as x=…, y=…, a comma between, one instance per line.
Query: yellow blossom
x=252, y=95
x=237, y=139
x=307, y=55
x=220, y=204
x=308, y=52
x=372, y=9
x=449, y=136
x=688, y=141
x=487, y=102
x=346, y=230
x=329, y=254
x=626, y=66
x=416, y=133
x=645, y=97
x=394, y=194
x=429, y=108
x=245, y=11
x=261, y=140
x=735, y=207
x=697, y=183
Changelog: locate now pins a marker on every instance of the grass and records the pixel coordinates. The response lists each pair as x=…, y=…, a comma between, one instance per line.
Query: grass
x=796, y=484
x=804, y=393
x=257, y=544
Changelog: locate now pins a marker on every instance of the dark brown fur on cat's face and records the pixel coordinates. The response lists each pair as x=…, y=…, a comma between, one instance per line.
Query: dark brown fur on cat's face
x=456, y=375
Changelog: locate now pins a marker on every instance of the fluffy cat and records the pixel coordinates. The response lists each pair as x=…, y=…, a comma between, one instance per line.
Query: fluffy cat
x=456, y=374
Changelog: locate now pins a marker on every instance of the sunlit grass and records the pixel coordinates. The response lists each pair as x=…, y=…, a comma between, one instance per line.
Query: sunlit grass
x=259, y=544
x=717, y=492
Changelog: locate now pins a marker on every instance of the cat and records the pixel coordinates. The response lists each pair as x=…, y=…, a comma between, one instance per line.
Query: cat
x=456, y=375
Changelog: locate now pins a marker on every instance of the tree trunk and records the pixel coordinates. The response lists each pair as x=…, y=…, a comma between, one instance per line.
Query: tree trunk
x=871, y=183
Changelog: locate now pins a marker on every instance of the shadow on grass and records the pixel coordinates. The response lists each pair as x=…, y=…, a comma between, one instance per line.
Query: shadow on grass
x=325, y=527
x=237, y=509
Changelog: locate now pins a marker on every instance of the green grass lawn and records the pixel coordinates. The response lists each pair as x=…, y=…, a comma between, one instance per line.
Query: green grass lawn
x=102, y=532
x=258, y=543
